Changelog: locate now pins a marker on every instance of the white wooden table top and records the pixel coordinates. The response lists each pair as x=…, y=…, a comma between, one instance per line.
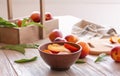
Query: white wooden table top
x=39, y=68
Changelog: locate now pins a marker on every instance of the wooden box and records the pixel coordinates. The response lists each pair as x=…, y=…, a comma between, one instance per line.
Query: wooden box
x=27, y=34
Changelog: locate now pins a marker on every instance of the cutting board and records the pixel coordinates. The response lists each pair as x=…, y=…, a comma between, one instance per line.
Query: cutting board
x=100, y=46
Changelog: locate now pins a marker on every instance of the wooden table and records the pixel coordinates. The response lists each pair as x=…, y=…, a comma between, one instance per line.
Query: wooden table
x=40, y=68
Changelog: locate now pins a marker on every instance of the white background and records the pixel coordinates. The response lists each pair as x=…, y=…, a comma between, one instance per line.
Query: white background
x=105, y=12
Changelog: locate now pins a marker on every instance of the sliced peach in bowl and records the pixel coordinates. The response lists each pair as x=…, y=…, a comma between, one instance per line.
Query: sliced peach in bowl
x=62, y=60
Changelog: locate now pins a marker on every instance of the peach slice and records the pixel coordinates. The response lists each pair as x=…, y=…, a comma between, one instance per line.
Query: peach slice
x=119, y=40
x=114, y=39
x=71, y=47
x=57, y=48
x=47, y=51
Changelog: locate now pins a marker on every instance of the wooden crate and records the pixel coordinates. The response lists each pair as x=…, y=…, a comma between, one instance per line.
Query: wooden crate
x=27, y=34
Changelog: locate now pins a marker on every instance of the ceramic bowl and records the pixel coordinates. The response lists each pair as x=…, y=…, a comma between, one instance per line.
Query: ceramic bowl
x=59, y=62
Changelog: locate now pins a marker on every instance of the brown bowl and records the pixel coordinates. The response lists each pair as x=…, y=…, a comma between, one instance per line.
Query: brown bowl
x=59, y=62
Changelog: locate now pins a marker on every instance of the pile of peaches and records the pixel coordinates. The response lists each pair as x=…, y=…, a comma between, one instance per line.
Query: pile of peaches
x=35, y=16
x=57, y=36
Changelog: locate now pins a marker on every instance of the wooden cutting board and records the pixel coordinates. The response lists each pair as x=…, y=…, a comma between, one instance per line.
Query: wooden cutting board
x=100, y=46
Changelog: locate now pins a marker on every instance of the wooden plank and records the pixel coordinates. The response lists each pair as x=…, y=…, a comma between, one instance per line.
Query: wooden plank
x=5, y=67
x=42, y=12
x=83, y=70
x=9, y=9
x=108, y=67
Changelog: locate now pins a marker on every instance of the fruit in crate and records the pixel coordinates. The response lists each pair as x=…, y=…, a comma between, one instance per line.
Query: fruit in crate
x=19, y=22
x=71, y=38
x=85, y=49
x=26, y=22
x=115, y=53
x=35, y=16
x=54, y=34
x=48, y=16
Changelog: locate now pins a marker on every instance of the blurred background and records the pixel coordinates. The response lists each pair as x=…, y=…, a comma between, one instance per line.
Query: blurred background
x=105, y=12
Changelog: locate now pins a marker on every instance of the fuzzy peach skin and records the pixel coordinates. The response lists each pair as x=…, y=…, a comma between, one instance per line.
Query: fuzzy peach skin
x=48, y=16
x=35, y=16
x=71, y=38
x=85, y=49
x=54, y=34
x=115, y=53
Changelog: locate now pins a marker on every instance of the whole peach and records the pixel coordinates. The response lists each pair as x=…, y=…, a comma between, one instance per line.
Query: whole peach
x=35, y=16
x=71, y=38
x=85, y=49
x=19, y=22
x=48, y=16
x=54, y=34
x=115, y=53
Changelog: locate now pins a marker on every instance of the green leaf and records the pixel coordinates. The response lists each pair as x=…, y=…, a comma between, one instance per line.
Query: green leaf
x=15, y=48
x=79, y=61
x=26, y=60
x=28, y=22
x=100, y=57
x=5, y=23
x=20, y=47
x=24, y=22
x=34, y=23
x=29, y=45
